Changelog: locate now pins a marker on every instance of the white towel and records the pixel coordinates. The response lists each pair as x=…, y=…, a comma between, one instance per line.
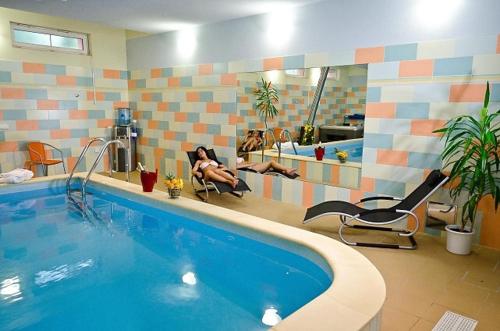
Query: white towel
x=16, y=176
x=286, y=145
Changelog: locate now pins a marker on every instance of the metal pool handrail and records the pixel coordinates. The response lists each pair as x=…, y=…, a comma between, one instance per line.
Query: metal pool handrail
x=287, y=133
x=82, y=154
x=99, y=157
x=265, y=141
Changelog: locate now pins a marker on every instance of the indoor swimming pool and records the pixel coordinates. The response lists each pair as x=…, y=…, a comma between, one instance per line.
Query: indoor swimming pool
x=129, y=265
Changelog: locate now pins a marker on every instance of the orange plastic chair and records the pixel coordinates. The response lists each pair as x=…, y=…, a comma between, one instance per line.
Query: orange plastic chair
x=38, y=157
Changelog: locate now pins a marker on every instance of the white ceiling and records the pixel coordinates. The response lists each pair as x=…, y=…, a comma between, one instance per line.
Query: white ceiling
x=152, y=16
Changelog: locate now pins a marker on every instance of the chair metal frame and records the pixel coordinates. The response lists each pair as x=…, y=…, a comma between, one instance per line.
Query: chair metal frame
x=346, y=221
x=45, y=167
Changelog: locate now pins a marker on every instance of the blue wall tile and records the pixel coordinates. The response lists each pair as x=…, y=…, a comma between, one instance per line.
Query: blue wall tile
x=167, y=72
x=213, y=129
x=193, y=117
x=387, y=70
x=400, y=52
x=424, y=160
x=396, y=189
x=373, y=94
x=186, y=81
x=495, y=93
x=5, y=77
x=36, y=93
x=174, y=106
x=96, y=114
x=79, y=133
x=377, y=140
x=84, y=81
x=412, y=110
x=453, y=66
x=68, y=104
x=49, y=124
x=293, y=62
x=206, y=96
x=228, y=108
x=13, y=114
x=55, y=69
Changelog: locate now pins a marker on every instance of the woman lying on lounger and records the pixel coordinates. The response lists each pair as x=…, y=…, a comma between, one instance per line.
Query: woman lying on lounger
x=265, y=166
x=211, y=169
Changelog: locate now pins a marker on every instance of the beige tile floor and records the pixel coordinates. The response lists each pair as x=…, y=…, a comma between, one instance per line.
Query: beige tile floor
x=421, y=284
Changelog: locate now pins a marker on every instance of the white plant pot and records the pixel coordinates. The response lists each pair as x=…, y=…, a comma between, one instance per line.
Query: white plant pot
x=458, y=242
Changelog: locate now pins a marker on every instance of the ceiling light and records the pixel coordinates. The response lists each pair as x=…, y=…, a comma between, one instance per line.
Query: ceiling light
x=187, y=42
x=436, y=13
x=280, y=27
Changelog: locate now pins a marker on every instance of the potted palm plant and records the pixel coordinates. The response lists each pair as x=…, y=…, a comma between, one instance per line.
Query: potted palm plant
x=267, y=97
x=472, y=152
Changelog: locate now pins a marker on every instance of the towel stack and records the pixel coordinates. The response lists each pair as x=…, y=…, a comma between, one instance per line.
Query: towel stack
x=16, y=176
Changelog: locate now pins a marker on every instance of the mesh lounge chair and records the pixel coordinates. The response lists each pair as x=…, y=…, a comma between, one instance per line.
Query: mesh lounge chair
x=349, y=212
x=219, y=187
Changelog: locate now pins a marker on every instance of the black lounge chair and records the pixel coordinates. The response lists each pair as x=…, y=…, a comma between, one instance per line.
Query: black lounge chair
x=208, y=186
x=349, y=212
x=271, y=172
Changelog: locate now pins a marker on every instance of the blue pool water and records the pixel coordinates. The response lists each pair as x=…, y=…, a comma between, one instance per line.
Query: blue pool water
x=132, y=266
x=353, y=148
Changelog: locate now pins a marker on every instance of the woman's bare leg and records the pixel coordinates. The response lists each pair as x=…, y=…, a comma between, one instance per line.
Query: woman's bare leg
x=212, y=175
x=263, y=167
x=228, y=176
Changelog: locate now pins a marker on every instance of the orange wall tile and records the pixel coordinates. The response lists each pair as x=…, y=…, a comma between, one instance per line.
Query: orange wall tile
x=152, y=124
x=180, y=169
x=369, y=55
x=66, y=80
x=425, y=127
x=155, y=73
x=490, y=228
x=180, y=117
x=12, y=93
x=467, y=92
x=174, y=82
x=391, y=157
x=162, y=106
x=228, y=79
x=274, y=63
x=199, y=128
x=169, y=135
x=418, y=68
x=205, y=69
x=47, y=104
x=335, y=175
x=104, y=123
x=78, y=114
x=60, y=134
x=193, y=96
x=307, y=194
x=146, y=97
x=33, y=68
x=221, y=140
x=111, y=74
x=186, y=147
x=8, y=146
x=99, y=96
x=213, y=107
x=498, y=44
x=268, y=187
x=381, y=110
x=355, y=196
x=367, y=184
x=26, y=125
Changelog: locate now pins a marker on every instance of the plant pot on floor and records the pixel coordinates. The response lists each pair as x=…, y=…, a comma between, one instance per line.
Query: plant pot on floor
x=458, y=242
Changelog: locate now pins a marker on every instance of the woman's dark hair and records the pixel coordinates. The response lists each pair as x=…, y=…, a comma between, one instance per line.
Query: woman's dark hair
x=203, y=149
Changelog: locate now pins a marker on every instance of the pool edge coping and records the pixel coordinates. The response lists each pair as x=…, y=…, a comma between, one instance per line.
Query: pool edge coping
x=352, y=302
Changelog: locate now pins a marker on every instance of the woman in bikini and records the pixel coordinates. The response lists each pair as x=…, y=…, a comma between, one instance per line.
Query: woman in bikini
x=265, y=166
x=211, y=169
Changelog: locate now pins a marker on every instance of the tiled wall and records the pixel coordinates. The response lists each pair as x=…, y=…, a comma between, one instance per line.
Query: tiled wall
x=55, y=104
x=412, y=89
x=180, y=108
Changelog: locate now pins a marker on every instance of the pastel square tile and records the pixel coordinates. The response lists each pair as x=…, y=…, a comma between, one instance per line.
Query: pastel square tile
x=369, y=154
x=395, y=126
x=431, y=92
x=420, y=144
x=417, y=68
x=5, y=77
x=378, y=140
x=373, y=94
x=400, y=52
x=293, y=62
x=397, y=93
x=424, y=160
x=412, y=110
x=9, y=115
x=315, y=60
x=339, y=58
x=436, y=49
x=392, y=188
x=475, y=45
x=453, y=67
x=369, y=55
x=385, y=70
x=447, y=110
x=55, y=69
x=486, y=64
x=11, y=66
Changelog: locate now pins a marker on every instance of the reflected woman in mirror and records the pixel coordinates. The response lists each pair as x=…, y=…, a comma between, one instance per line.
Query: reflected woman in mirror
x=252, y=142
x=265, y=166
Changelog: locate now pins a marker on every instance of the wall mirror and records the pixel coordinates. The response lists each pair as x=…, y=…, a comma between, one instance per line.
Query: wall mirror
x=340, y=95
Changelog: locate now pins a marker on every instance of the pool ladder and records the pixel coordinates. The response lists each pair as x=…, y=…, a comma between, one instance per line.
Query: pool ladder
x=94, y=165
x=99, y=157
x=285, y=134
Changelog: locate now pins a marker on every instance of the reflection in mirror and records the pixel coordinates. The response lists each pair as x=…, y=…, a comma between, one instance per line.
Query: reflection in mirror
x=336, y=126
